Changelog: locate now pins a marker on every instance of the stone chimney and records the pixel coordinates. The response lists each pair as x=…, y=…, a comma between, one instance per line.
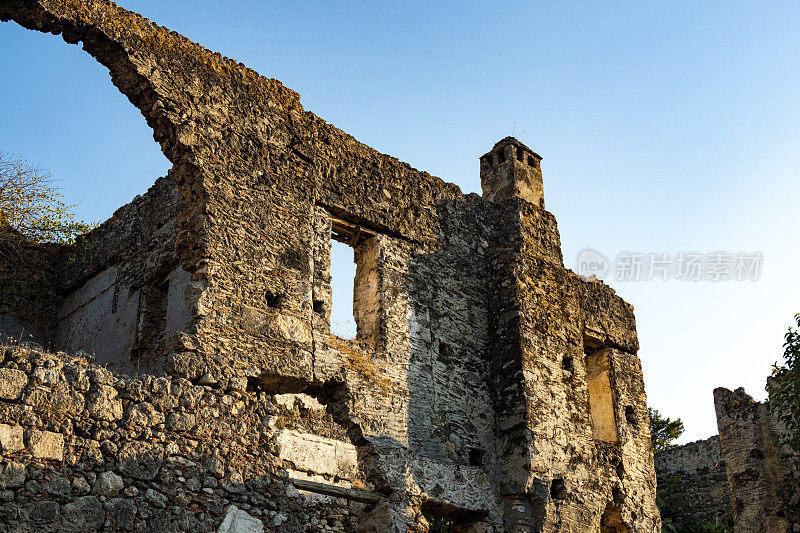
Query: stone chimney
x=511, y=169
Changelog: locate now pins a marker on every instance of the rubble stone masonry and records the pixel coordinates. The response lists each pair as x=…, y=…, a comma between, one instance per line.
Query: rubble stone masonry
x=700, y=472
x=487, y=384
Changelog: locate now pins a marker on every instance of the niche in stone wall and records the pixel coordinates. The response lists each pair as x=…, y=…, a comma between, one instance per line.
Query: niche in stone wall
x=152, y=324
x=601, y=399
x=611, y=520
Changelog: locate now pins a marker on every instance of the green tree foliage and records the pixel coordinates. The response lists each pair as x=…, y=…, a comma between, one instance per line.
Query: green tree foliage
x=670, y=501
x=663, y=431
x=32, y=206
x=784, y=391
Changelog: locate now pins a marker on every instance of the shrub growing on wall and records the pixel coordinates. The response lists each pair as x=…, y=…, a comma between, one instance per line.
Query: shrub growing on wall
x=784, y=392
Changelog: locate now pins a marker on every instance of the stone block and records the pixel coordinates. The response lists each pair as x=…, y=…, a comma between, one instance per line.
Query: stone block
x=318, y=455
x=45, y=511
x=12, y=381
x=85, y=513
x=238, y=521
x=46, y=445
x=57, y=486
x=103, y=404
x=122, y=512
x=108, y=484
x=140, y=460
x=11, y=438
x=181, y=421
x=12, y=475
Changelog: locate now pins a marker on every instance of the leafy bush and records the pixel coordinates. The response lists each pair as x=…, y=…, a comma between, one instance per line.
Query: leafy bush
x=32, y=206
x=784, y=392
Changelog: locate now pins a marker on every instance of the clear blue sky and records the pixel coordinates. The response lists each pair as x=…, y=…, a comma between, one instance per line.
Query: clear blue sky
x=664, y=127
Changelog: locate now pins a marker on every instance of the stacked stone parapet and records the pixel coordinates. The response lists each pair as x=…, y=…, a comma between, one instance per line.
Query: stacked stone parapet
x=82, y=448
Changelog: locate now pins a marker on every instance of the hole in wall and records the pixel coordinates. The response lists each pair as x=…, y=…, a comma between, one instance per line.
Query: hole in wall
x=558, y=489
x=520, y=154
x=531, y=161
x=274, y=300
x=343, y=274
x=630, y=415
x=501, y=156
x=611, y=520
x=446, y=352
x=476, y=456
x=443, y=517
x=568, y=364
x=319, y=306
x=616, y=495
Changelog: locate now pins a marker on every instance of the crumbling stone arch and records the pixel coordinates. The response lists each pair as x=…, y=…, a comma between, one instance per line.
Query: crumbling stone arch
x=106, y=33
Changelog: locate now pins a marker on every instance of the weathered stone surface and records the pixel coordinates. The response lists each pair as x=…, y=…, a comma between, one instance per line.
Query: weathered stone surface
x=57, y=486
x=758, y=475
x=45, y=511
x=156, y=498
x=102, y=403
x=85, y=512
x=700, y=470
x=46, y=444
x=238, y=521
x=108, y=484
x=11, y=438
x=319, y=455
x=12, y=474
x=62, y=400
x=140, y=460
x=12, y=382
x=467, y=391
x=181, y=421
x=122, y=512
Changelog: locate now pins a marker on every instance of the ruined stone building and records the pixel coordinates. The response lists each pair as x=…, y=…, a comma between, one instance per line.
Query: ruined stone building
x=742, y=471
x=487, y=385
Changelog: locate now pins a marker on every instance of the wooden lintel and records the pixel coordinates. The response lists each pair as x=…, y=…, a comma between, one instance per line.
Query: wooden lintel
x=355, y=495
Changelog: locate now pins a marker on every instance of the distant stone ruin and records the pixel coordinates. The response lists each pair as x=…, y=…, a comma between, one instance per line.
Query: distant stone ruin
x=488, y=387
x=742, y=472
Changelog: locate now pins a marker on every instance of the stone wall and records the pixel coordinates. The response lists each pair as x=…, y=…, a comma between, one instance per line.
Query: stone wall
x=106, y=295
x=465, y=393
x=82, y=449
x=117, y=282
x=29, y=294
x=703, y=479
x=762, y=489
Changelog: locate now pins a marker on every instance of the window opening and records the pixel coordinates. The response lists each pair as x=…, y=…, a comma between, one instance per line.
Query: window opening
x=343, y=274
